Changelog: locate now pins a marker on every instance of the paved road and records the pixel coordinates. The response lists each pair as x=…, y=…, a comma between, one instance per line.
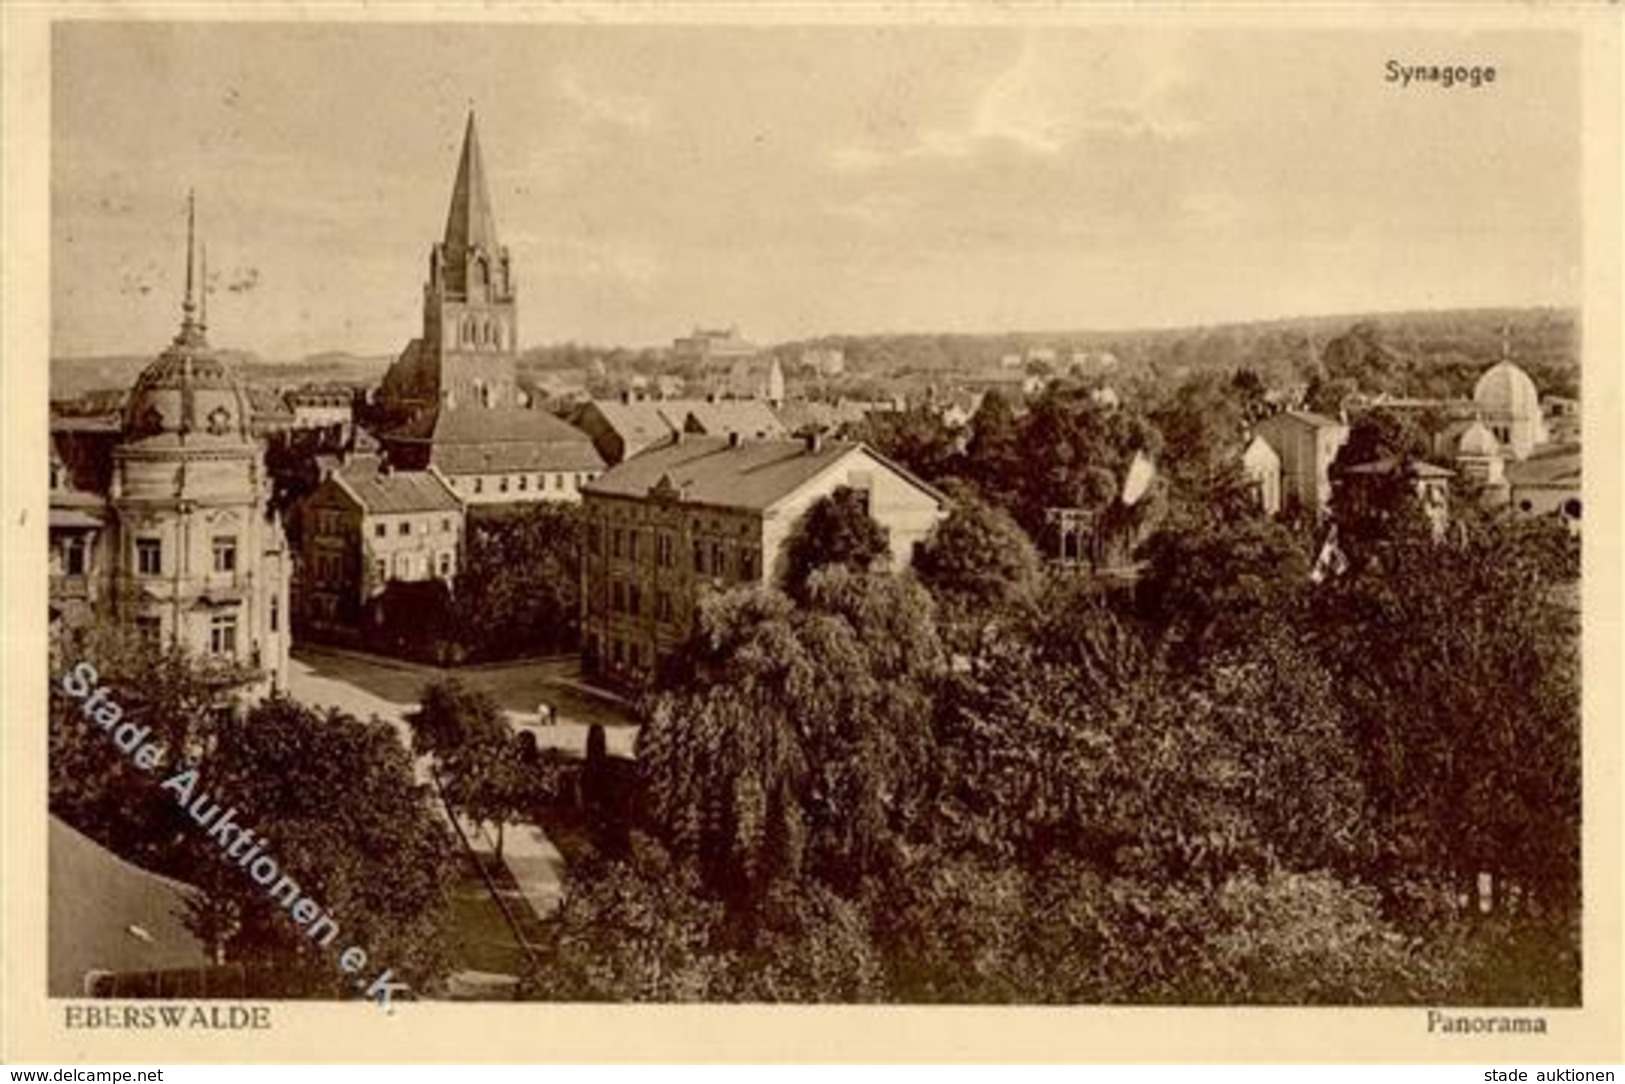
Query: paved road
x=386, y=689
x=364, y=685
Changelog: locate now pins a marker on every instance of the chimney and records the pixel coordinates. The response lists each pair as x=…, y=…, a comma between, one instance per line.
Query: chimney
x=626, y=395
x=733, y=439
x=677, y=437
x=814, y=439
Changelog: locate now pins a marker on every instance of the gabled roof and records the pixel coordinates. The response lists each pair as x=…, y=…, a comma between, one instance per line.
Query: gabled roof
x=469, y=222
x=380, y=492
x=750, y=418
x=109, y=915
x=754, y=475
x=1305, y=417
x=493, y=440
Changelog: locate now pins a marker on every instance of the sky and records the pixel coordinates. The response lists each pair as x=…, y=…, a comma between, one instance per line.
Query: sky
x=797, y=181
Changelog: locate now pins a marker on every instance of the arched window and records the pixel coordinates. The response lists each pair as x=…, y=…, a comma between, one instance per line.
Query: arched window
x=468, y=329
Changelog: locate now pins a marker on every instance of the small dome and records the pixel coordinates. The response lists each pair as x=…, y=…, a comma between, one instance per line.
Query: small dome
x=188, y=391
x=1477, y=440
x=1507, y=391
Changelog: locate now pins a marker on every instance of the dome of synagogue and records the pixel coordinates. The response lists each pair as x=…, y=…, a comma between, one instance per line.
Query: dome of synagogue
x=1506, y=391
x=1477, y=440
x=189, y=395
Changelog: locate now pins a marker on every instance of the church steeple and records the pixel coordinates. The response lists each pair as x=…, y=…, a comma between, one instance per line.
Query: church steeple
x=469, y=222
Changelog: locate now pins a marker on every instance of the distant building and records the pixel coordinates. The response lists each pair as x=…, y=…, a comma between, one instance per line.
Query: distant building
x=1430, y=482
x=703, y=513
x=1306, y=444
x=1261, y=464
x=709, y=346
x=1547, y=483
x=163, y=526
x=322, y=406
x=366, y=526
x=825, y=361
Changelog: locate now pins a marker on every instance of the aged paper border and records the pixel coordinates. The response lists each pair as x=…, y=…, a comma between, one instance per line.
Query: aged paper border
x=32, y=1027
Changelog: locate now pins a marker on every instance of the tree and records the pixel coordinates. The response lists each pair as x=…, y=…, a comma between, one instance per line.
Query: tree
x=344, y=818
x=978, y=563
x=917, y=438
x=835, y=530
x=479, y=762
x=96, y=787
x=518, y=589
x=993, y=454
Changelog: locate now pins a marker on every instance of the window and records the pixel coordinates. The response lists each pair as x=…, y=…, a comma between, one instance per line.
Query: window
x=75, y=555
x=445, y=526
x=632, y=544
x=699, y=557
x=595, y=537
x=380, y=570
x=149, y=556
x=616, y=599
x=223, y=634
x=502, y=484
x=618, y=542
x=151, y=631
x=56, y=475
x=479, y=485
x=524, y=482
x=558, y=481
x=405, y=527
x=634, y=600
x=225, y=553
x=663, y=605
x=445, y=564
x=747, y=564
x=380, y=530
x=663, y=549
x=276, y=612
x=718, y=560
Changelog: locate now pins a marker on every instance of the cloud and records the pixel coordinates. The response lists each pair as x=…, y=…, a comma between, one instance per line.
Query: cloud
x=595, y=103
x=1050, y=100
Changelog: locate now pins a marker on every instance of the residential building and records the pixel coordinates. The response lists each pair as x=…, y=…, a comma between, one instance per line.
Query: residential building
x=1547, y=483
x=497, y=455
x=366, y=526
x=705, y=513
x=1306, y=444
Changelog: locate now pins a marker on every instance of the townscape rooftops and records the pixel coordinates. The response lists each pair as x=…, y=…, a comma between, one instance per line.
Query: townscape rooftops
x=1556, y=466
x=752, y=475
x=1305, y=417
x=494, y=440
x=381, y=492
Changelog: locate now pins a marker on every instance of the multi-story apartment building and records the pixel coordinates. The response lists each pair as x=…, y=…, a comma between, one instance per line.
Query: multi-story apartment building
x=366, y=526
x=708, y=513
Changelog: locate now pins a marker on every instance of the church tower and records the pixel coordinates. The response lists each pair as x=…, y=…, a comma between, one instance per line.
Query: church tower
x=466, y=353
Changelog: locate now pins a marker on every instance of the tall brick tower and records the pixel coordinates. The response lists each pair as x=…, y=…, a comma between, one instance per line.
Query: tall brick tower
x=470, y=319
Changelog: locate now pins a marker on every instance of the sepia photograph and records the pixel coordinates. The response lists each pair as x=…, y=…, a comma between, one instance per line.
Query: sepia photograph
x=918, y=514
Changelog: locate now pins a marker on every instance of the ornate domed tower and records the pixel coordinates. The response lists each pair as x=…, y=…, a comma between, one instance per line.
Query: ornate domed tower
x=198, y=559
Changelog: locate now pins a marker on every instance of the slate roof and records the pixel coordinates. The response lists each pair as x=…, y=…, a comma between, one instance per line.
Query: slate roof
x=394, y=492
x=492, y=440
x=709, y=470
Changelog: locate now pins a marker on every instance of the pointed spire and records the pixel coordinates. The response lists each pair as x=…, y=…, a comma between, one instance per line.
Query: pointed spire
x=191, y=329
x=189, y=306
x=203, y=288
x=470, y=222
